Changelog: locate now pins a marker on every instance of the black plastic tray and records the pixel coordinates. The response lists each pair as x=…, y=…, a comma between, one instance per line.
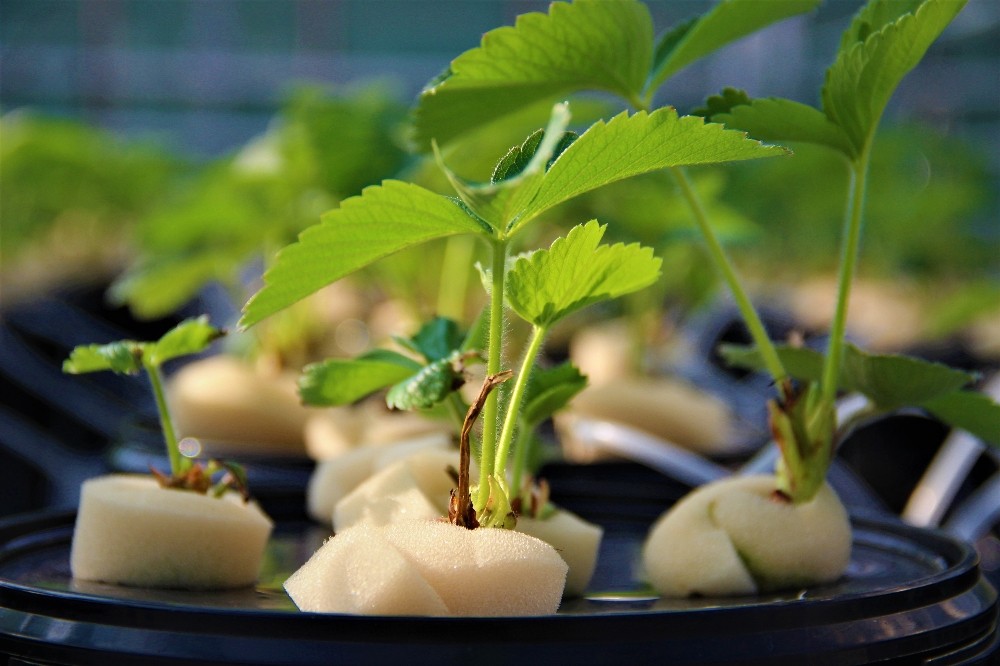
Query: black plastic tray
x=908, y=596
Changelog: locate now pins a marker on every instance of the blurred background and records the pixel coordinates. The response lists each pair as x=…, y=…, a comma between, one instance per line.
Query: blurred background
x=156, y=152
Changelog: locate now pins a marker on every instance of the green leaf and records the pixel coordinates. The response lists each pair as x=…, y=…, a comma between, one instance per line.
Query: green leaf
x=627, y=146
x=188, y=337
x=888, y=380
x=344, y=381
x=590, y=44
x=575, y=272
x=882, y=45
x=122, y=357
x=726, y=22
x=437, y=339
x=976, y=413
x=432, y=384
x=775, y=119
x=892, y=380
x=382, y=220
x=549, y=390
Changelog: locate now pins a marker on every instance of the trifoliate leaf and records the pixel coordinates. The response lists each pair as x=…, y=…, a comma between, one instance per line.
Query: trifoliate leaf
x=122, y=357
x=382, y=220
x=129, y=357
x=882, y=45
x=590, y=44
x=188, y=337
x=726, y=22
x=775, y=119
x=574, y=272
x=549, y=390
x=344, y=381
x=976, y=413
x=627, y=146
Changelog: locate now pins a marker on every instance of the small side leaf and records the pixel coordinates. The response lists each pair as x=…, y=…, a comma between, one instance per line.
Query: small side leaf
x=382, y=220
x=342, y=381
x=574, y=272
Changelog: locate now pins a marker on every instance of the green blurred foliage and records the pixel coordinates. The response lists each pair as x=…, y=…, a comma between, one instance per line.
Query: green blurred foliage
x=320, y=149
x=928, y=210
x=62, y=172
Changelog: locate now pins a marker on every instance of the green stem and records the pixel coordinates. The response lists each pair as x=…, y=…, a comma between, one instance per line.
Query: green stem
x=514, y=407
x=848, y=261
x=178, y=463
x=750, y=317
x=493, y=361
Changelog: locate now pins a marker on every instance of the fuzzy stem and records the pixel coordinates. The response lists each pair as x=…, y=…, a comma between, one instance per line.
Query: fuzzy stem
x=493, y=361
x=514, y=407
x=750, y=317
x=848, y=261
x=178, y=463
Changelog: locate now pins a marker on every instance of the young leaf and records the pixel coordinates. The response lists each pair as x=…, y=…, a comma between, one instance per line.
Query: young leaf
x=575, y=272
x=589, y=44
x=432, y=384
x=775, y=119
x=382, y=220
x=627, y=146
x=549, y=390
x=341, y=382
x=728, y=21
x=519, y=158
x=877, y=51
x=501, y=200
x=188, y=337
x=122, y=357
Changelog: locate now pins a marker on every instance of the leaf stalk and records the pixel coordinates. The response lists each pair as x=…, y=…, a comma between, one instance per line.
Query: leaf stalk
x=493, y=362
x=514, y=407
